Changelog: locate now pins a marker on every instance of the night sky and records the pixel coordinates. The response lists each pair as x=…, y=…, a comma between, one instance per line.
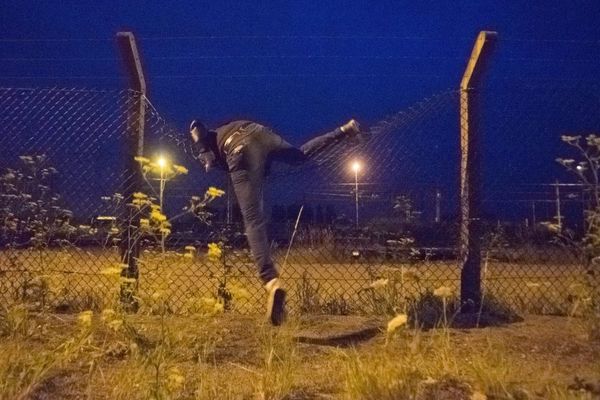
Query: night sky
x=305, y=67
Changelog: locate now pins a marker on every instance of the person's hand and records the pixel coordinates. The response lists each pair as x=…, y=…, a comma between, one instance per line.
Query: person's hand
x=351, y=127
x=208, y=159
x=195, y=135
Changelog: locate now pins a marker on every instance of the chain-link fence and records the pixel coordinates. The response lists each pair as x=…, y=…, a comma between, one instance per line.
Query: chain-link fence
x=62, y=172
x=346, y=240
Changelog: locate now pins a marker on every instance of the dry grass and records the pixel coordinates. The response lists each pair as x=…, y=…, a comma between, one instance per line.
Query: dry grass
x=239, y=357
x=72, y=280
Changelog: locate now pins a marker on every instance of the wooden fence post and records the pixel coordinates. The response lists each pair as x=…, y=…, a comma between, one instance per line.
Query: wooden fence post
x=470, y=174
x=134, y=146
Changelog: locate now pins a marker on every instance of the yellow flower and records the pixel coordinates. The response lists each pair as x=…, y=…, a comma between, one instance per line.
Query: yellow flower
x=218, y=308
x=379, y=283
x=214, y=251
x=443, y=291
x=239, y=293
x=180, y=169
x=214, y=192
x=141, y=160
x=175, y=379
x=115, y=324
x=208, y=301
x=115, y=270
x=158, y=216
x=396, y=322
x=140, y=195
x=108, y=314
x=85, y=318
x=111, y=271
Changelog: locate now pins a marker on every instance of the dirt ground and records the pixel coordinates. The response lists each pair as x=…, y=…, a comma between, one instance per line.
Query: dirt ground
x=239, y=357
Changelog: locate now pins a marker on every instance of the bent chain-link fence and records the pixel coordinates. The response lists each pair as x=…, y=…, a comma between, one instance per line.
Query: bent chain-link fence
x=364, y=239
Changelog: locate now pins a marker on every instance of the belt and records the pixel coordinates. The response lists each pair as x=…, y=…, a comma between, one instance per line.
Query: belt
x=229, y=140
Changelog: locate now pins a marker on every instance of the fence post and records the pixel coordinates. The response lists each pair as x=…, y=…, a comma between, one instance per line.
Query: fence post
x=134, y=146
x=470, y=174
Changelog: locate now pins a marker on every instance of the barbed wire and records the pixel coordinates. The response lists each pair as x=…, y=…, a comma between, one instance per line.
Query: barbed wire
x=305, y=37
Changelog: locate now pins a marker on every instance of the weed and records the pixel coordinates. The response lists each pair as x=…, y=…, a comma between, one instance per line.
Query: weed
x=23, y=370
x=279, y=362
x=309, y=297
x=14, y=321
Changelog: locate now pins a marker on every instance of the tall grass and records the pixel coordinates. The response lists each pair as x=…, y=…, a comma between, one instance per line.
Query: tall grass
x=279, y=361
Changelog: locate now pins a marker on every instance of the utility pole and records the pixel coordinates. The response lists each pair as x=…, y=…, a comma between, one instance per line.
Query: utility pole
x=558, y=216
x=438, y=198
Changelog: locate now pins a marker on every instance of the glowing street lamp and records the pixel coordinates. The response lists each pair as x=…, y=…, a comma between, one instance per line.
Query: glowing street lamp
x=162, y=162
x=356, y=166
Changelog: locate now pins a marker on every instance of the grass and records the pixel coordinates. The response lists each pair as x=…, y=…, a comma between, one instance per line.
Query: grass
x=433, y=366
x=71, y=280
x=209, y=355
x=275, y=377
x=230, y=356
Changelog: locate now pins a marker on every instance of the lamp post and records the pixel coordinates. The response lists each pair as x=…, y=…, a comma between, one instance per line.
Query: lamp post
x=356, y=167
x=162, y=164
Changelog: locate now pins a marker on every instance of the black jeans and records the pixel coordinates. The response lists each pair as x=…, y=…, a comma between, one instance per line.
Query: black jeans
x=247, y=164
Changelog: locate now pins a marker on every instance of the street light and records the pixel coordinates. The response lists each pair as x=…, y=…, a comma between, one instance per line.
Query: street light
x=162, y=164
x=356, y=166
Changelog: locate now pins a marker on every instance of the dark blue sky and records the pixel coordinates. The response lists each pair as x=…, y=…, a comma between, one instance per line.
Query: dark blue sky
x=302, y=66
x=290, y=62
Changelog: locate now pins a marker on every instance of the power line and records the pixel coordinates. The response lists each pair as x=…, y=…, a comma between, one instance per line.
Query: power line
x=297, y=37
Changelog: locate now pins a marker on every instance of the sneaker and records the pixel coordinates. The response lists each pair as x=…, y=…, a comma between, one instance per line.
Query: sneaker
x=276, y=302
x=355, y=132
x=351, y=127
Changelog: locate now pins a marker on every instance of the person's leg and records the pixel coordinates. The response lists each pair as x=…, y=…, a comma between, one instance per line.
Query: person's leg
x=321, y=142
x=247, y=170
x=248, y=185
x=282, y=151
x=279, y=149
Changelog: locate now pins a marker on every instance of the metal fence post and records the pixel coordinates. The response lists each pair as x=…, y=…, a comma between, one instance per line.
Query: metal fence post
x=470, y=174
x=134, y=143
